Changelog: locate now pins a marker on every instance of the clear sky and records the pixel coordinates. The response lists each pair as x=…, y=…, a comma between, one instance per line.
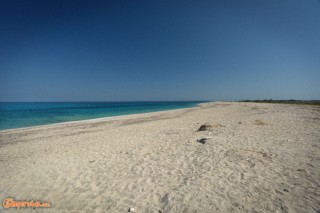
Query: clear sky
x=64, y=50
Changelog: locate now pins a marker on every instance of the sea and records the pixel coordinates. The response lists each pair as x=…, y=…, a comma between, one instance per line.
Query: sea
x=27, y=114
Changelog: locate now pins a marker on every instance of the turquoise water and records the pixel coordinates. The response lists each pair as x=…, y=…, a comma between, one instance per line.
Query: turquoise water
x=27, y=114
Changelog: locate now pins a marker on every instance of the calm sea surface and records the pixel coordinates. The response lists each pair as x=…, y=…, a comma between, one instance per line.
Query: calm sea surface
x=26, y=114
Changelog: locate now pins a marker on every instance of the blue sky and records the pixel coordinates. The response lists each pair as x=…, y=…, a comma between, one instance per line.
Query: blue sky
x=159, y=50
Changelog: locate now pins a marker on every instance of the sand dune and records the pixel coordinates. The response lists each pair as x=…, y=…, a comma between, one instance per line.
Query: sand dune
x=256, y=158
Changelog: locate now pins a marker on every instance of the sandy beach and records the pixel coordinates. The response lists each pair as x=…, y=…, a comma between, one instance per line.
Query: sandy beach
x=252, y=158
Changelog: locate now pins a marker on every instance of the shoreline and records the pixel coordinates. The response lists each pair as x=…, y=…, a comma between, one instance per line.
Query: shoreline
x=110, y=118
x=252, y=157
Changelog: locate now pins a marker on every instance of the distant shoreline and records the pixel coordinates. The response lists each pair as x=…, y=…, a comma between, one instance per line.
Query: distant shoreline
x=291, y=101
x=102, y=119
x=23, y=115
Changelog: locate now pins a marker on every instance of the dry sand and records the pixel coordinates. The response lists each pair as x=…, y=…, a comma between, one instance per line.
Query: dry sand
x=257, y=158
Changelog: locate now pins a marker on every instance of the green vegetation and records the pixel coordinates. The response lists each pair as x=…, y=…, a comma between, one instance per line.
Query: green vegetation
x=291, y=101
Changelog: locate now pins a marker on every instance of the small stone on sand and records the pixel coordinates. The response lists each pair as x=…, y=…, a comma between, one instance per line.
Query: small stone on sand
x=202, y=140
